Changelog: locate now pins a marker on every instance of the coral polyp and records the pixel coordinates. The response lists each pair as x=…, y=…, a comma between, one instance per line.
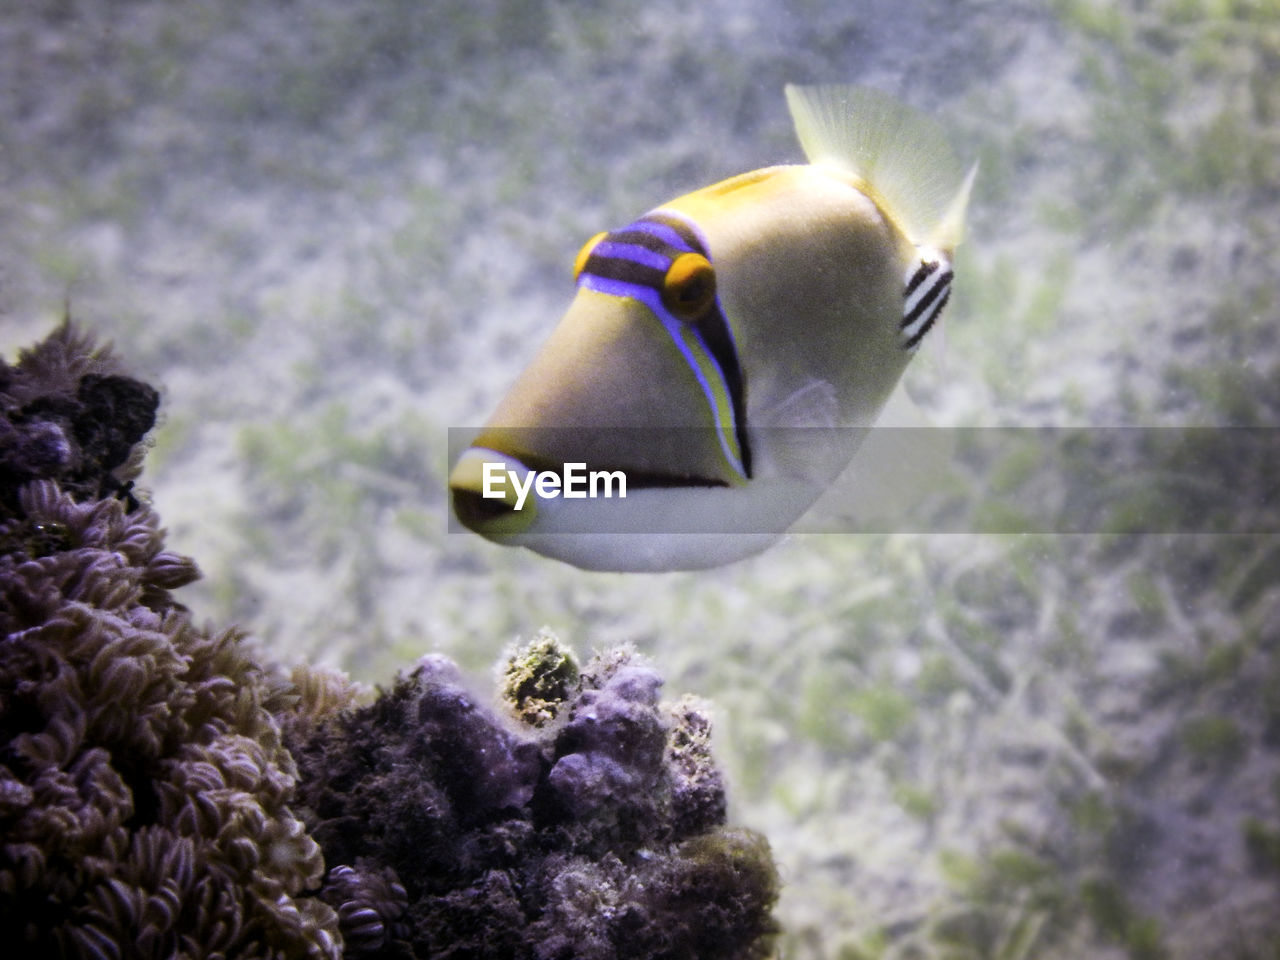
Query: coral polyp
x=144, y=790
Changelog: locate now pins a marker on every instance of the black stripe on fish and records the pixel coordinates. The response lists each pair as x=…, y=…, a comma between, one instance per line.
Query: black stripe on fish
x=939, y=287
x=926, y=267
x=712, y=327
x=914, y=339
x=693, y=243
x=624, y=270
x=927, y=291
x=638, y=238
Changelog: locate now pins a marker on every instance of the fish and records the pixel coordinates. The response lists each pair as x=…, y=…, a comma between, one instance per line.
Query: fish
x=725, y=354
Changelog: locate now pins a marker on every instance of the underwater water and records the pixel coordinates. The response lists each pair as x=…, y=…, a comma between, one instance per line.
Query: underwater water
x=332, y=231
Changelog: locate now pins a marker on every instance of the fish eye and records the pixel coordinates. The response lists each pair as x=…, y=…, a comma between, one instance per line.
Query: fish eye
x=689, y=287
x=580, y=261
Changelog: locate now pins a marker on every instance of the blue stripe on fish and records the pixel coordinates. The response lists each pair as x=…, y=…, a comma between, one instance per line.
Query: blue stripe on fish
x=614, y=250
x=687, y=241
x=633, y=262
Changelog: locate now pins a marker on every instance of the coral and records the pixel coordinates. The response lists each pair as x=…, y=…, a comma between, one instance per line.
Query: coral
x=69, y=416
x=148, y=791
x=370, y=904
x=144, y=788
x=590, y=825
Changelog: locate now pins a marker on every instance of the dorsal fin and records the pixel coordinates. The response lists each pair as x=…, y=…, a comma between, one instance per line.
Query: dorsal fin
x=900, y=154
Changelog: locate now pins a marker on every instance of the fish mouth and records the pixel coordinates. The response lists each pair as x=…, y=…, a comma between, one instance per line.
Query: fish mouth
x=488, y=516
x=481, y=511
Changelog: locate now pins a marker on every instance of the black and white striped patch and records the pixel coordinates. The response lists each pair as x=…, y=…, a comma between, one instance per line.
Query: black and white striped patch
x=928, y=287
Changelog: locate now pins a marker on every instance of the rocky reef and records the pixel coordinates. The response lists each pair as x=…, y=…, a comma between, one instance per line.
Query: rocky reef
x=594, y=830
x=165, y=792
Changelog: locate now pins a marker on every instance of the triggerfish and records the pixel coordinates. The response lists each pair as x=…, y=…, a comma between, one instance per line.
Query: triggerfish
x=726, y=353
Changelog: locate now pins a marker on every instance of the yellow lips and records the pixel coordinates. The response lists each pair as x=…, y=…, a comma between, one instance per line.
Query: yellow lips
x=493, y=511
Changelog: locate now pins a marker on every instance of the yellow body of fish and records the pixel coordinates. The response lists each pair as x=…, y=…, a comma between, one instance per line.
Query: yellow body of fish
x=725, y=353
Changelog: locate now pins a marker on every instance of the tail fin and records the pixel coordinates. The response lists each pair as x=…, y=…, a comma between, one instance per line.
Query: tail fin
x=900, y=154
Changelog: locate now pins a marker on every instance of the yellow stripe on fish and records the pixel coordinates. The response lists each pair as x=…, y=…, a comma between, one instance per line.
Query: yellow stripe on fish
x=709, y=338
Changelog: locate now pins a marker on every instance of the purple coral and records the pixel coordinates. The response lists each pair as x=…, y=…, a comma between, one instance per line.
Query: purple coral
x=610, y=752
x=589, y=828
x=144, y=791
